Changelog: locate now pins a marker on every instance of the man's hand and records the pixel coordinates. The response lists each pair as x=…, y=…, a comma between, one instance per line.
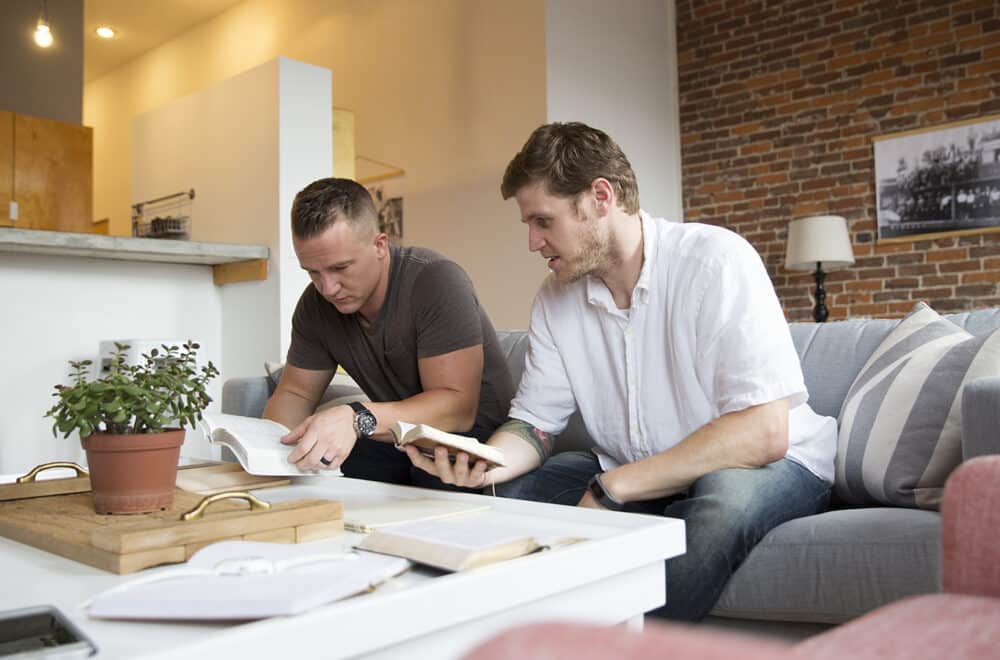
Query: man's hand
x=459, y=473
x=327, y=435
x=588, y=501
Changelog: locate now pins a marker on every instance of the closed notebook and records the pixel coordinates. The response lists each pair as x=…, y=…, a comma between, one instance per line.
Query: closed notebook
x=426, y=438
x=368, y=518
x=256, y=443
x=242, y=580
x=457, y=544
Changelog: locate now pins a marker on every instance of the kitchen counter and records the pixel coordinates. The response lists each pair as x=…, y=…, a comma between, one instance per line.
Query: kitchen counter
x=231, y=262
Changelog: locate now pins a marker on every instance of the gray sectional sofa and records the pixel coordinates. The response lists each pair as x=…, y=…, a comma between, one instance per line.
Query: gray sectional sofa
x=821, y=570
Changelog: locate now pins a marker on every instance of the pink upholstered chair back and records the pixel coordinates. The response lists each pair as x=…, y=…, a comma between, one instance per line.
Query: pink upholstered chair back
x=970, y=518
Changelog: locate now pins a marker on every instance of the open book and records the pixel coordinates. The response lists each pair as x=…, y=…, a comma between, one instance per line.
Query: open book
x=427, y=437
x=458, y=544
x=242, y=580
x=256, y=444
x=368, y=518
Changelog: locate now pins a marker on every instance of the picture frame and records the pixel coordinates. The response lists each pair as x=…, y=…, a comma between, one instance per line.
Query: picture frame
x=938, y=181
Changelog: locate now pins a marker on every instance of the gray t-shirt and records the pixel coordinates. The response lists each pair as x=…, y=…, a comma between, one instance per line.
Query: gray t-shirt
x=430, y=309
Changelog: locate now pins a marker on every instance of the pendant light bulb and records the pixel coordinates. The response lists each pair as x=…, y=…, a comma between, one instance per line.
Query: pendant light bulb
x=43, y=34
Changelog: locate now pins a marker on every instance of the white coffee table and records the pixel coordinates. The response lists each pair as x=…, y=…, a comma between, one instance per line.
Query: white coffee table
x=614, y=577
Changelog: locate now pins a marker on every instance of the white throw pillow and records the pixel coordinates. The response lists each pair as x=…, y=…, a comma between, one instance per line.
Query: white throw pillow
x=901, y=423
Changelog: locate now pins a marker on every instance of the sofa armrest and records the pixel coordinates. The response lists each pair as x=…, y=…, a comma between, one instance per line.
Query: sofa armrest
x=970, y=528
x=245, y=396
x=980, y=418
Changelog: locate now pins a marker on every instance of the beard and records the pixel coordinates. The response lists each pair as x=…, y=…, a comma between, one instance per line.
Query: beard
x=596, y=255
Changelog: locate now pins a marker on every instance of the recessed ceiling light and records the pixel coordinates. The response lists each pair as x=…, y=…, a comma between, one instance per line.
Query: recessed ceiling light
x=105, y=32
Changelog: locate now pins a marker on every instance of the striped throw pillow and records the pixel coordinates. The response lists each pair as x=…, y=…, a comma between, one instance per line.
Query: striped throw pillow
x=901, y=423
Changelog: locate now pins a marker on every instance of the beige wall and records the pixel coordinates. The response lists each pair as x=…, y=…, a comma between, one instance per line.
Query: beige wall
x=446, y=89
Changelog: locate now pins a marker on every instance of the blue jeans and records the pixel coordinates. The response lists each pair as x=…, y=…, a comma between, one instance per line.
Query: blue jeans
x=726, y=514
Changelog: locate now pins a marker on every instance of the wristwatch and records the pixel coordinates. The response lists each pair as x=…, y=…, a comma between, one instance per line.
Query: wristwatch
x=603, y=497
x=364, y=421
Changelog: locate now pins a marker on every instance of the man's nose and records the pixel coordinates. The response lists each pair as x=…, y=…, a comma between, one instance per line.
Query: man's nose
x=329, y=284
x=535, y=239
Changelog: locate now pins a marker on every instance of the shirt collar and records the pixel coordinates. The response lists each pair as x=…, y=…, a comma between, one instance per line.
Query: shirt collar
x=597, y=292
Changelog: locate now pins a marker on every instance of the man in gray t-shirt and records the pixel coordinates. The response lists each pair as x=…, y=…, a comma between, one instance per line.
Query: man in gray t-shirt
x=403, y=322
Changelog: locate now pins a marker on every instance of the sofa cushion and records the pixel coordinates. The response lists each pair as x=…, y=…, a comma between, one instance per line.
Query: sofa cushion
x=900, y=425
x=837, y=565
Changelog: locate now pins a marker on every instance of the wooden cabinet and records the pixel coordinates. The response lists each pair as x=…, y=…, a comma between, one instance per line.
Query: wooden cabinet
x=46, y=166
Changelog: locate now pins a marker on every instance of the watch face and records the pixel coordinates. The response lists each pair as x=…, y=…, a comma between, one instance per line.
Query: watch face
x=366, y=423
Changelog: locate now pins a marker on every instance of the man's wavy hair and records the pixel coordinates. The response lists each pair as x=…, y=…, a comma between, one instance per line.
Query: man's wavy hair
x=324, y=201
x=566, y=158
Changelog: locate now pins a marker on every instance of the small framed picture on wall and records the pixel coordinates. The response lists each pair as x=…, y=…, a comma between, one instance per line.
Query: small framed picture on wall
x=939, y=181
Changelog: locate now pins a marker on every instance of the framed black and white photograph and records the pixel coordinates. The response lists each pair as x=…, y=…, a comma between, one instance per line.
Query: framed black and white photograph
x=941, y=181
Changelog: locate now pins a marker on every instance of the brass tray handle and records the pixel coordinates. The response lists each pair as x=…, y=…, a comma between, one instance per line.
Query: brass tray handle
x=197, y=512
x=80, y=472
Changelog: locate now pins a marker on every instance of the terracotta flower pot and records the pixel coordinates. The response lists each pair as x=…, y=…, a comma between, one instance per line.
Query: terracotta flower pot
x=133, y=473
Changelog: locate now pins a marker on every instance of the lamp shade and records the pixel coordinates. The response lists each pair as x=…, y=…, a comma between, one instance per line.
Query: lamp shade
x=820, y=238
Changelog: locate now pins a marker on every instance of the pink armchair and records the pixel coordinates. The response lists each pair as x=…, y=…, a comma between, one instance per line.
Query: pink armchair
x=961, y=622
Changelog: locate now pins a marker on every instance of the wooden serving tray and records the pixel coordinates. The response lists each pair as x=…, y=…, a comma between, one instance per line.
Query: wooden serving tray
x=67, y=525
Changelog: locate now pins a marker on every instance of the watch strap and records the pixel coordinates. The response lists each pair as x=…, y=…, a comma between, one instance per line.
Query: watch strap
x=361, y=411
x=603, y=497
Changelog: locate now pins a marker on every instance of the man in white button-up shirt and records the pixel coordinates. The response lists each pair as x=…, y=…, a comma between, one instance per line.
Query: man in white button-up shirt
x=670, y=341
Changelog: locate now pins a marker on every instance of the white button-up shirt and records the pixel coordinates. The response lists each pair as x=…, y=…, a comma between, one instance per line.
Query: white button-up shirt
x=704, y=336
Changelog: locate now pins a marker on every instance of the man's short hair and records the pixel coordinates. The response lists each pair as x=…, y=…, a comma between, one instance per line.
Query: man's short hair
x=567, y=158
x=324, y=201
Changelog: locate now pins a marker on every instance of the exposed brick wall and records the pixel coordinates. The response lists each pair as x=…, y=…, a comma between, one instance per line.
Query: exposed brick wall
x=779, y=102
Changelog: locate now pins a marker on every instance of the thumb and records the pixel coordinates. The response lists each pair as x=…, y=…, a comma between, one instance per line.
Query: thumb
x=296, y=434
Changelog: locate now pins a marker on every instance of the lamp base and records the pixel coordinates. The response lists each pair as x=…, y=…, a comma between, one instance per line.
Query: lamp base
x=820, y=312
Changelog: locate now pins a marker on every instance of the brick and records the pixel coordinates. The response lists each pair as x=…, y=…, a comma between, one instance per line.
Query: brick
x=903, y=259
x=959, y=266
x=956, y=254
x=918, y=269
x=976, y=290
x=985, y=251
x=891, y=296
x=864, y=285
x=975, y=278
x=939, y=280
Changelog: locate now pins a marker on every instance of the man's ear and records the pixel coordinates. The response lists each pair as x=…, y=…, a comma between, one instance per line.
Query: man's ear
x=604, y=195
x=381, y=242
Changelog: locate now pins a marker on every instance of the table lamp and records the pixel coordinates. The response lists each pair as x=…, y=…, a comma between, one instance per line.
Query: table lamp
x=819, y=242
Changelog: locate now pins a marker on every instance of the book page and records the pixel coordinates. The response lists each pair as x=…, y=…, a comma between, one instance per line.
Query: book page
x=395, y=512
x=256, y=443
x=252, y=431
x=239, y=580
x=468, y=533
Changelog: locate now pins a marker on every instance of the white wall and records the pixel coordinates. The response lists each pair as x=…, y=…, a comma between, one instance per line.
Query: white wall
x=57, y=309
x=613, y=66
x=246, y=145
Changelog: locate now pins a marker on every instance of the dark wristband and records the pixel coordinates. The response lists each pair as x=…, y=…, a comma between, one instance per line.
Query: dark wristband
x=603, y=497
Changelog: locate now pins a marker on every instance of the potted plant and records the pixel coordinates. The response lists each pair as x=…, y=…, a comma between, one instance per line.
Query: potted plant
x=131, y=422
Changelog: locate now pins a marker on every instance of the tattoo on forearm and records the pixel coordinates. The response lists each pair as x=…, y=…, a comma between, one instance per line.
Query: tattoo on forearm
x=537, y=438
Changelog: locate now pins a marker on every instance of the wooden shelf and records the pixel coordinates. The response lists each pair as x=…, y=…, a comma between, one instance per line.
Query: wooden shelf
x=230, y=262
